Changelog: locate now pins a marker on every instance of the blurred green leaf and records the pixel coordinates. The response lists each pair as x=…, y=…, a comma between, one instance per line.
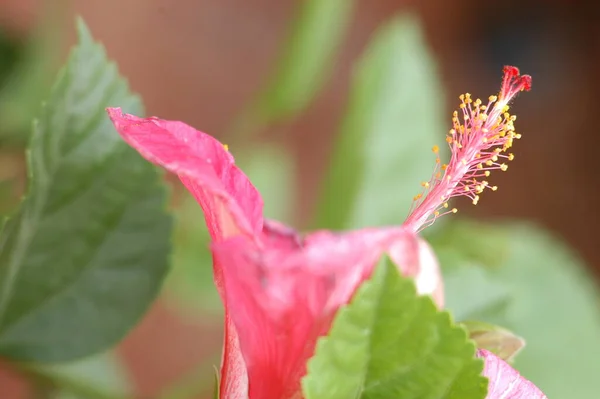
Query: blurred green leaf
x=394, y=118
x=98, y=377
x=551, y=302
x=86, y=254
x=307, y=59
x=30, y=79
x=391, y=343
x=495, y=339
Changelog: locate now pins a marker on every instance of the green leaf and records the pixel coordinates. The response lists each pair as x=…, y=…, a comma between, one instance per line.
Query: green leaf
x=394, y=117
x=86, y=254
x=497, y=340
x=102, y=376
x=307, y=58
x=31, y=77
x=551, y=302
x=391, y=343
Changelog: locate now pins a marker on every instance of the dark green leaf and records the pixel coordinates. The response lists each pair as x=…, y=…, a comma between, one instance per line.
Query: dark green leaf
x=394, y=118
x=391, y=343
x=86, y=254
x=549, y=300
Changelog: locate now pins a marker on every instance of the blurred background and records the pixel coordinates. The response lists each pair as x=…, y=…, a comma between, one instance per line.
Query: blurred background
x=203, y=61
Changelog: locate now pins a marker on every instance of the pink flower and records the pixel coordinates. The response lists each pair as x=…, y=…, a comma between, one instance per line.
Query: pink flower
x=506, y=382
x=280, y=290
x=478, y=141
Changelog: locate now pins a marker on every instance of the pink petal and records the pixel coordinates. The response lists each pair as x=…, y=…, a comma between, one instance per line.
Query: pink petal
x=282, y=299
x=230, y=202
x=506, y=382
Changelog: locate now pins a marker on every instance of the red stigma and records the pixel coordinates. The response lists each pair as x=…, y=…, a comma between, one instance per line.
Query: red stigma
x=511, y=71
x=526, y=82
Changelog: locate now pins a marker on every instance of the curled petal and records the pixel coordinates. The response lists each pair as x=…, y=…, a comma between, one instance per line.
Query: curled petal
x=230, y=202
x=506, y=382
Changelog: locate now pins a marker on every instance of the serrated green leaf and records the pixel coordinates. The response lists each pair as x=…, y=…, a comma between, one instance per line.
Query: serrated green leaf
x=307, y=58
x=391, y=343
x=86, y=254
x=551, y=302
x=394, y=117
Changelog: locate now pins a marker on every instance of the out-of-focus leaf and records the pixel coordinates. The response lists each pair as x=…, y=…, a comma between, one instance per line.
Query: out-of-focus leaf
x=551, y=302
x=98, y=377
x=391, y=343
x=500, y=341
x=30, y=80
x=394, y=118
x=86, y=254
x=307, y=58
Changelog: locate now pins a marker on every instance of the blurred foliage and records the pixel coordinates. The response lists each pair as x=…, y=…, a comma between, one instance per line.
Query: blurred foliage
x=27, y=68
x=99, y=377
x=389, y=342
x=394, y=117
x=68, y=285
x=306, y=60
x=540, y=291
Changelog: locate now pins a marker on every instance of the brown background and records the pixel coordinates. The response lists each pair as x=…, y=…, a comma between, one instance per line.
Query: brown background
x=200, y=60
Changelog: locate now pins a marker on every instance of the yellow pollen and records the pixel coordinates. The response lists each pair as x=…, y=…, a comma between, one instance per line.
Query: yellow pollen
x=511, y=157
x=493, y=98
x=445, y=205
x=476, y=200
x=435, y=149
x=226, y=147
x=494, y=188
x=449, y=139
x=489, y=162
x=425, y=184
x=487, y=173
x=436, y=213
x=503, y=167
x=417, y=197
x=444, y=166
x=454, y=210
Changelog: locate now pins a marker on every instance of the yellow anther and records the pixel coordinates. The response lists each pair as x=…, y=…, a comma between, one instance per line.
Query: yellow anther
x=493, y=98
x=226, y=147
x=461, y=97
x=503, y=167
x=476, y=200
x=417, y=197
x=489, y=162
x=487, y=173
x=436, y=213
x=511, y=157
x=445, y=205
x=517, y=136
x=449, y=139
x=435, y=149
x=494, y=188
x=479, y=166
x=454, y=210
x=444, y=166
x=425, y=184
x=495, y=158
